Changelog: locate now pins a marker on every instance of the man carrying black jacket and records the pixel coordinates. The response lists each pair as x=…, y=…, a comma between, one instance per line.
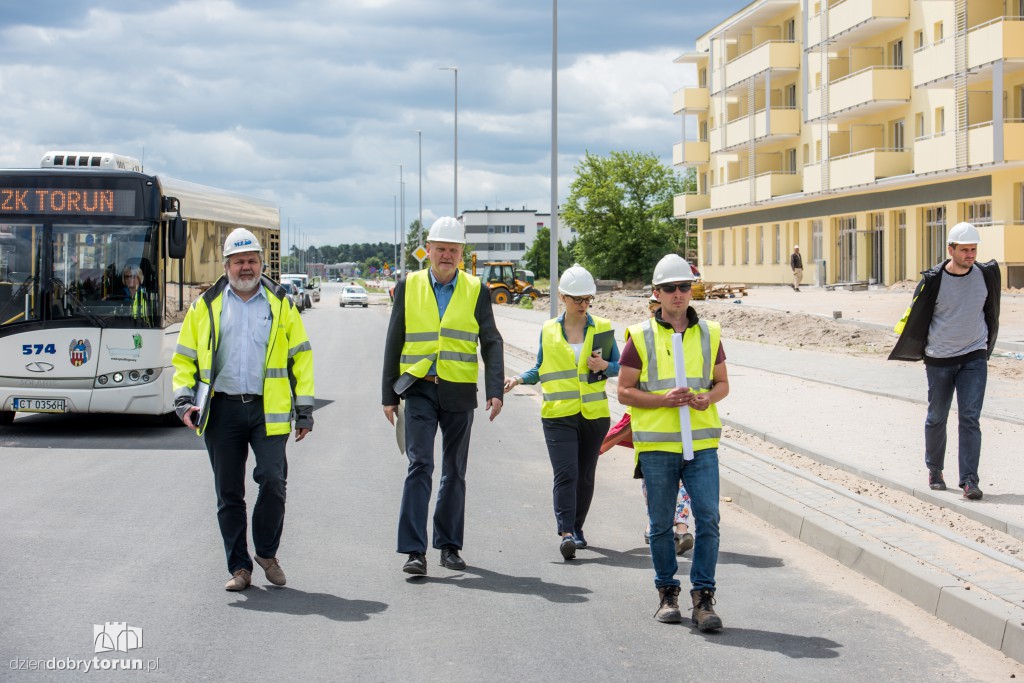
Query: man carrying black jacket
x=952, y=324
x=440, y=317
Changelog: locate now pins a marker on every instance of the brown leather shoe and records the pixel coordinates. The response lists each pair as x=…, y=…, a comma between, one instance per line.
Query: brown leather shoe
x=272, y=568
x=240, y=580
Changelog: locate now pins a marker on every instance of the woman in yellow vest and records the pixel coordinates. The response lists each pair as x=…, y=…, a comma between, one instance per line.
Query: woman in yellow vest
x=577, y=354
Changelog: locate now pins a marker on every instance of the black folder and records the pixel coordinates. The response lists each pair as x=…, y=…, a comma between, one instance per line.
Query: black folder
x=603, y=342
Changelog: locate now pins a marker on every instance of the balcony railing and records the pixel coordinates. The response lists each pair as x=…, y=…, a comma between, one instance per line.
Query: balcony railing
x=766, y=185
x=934, y=153
x=780, y=54
x=874, y=86
x=849, y=14
x=690, y=152
x=869, y=165
x=991, y=41
x=689, y=202
x=776, y=121
x=981, y=142
x=690, y=99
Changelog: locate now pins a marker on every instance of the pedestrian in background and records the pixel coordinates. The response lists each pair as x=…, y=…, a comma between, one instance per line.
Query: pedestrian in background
x=647, y=383
x=439, y=318
x=577, y=355
x=243, y=343
x=797, y=264
x=952, y=324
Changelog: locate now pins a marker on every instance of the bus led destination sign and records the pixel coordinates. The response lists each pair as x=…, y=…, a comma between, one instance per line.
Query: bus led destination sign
x=54, y=202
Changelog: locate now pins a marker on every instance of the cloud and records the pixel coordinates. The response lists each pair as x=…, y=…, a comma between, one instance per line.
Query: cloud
x=313, y=104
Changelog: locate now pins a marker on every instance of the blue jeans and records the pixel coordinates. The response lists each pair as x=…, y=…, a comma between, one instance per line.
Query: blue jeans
x=662, y=472
x=968, y=380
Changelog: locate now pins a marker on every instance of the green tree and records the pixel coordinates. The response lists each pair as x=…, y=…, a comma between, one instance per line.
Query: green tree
x=372, y=262
x=538, y=257
x=622, y=209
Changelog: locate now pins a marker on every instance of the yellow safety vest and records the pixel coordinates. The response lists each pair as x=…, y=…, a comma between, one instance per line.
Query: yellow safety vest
x=658, y=429
x=451, y=342
x=564, y=379
x=288, y=362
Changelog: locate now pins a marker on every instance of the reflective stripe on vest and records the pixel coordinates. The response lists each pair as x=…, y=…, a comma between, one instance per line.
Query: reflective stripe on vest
x=451, y=342
x=563, y=378
x=658, y=429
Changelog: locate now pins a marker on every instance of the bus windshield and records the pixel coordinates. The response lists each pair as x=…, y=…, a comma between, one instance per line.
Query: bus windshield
x=103, y=275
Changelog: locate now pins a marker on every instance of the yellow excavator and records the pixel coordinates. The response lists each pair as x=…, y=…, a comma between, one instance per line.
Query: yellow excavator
x=500, y=278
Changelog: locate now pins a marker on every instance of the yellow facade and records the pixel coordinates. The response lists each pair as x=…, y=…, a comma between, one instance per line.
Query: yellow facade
x=861, y=130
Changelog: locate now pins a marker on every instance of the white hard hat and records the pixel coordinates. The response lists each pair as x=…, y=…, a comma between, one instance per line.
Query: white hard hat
x=447, y=229
x=796, y=246
x=963, y=233
x=577, y=281
x=672, y=268
x=241, y=240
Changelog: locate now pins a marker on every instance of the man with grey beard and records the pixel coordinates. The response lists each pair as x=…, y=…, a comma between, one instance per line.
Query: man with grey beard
x=242, y=369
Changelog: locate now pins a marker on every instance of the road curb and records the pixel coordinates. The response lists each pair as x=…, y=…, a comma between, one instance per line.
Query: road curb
x=992, y=621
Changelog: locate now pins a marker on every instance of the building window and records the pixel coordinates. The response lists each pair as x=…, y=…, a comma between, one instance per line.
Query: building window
x=940, y=120
x=708, y=246
x=896, y=133
x=702, y=78
x=721, y=247
x=816, y=237
x=746, y=246
x=918, y=39
x=778, y=244
x=937, y=32
x=978, y=213
x=789, y=96
x=919, y=124
x=790, y=160
x=934, y=234
x=896, y=54
x=789, y=30
x=899, y=219
x=760, y=244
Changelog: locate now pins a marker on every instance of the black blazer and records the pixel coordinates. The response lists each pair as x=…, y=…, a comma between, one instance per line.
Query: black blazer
x=453, y=396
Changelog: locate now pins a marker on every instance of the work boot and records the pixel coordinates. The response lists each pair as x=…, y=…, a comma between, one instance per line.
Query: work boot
x=239, y=581
x=272, y=568
x=935, y=480
x=703, y=615
x=668, y=611
x=972, y=491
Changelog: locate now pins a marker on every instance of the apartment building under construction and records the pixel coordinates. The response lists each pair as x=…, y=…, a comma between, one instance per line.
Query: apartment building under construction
x=861, y=130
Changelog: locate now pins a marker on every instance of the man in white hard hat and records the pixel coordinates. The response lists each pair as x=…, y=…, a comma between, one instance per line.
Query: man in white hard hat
x=952, y=324
x=440, y=318
x=647, y=383
x=242, y=369
x=797, y=264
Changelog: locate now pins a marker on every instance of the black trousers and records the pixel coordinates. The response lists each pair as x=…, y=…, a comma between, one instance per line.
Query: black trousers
x=574, y=444
x=232, y=428
x=423, y=415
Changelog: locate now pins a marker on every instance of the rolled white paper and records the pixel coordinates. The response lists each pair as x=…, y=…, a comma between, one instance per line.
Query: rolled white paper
x=684, y=411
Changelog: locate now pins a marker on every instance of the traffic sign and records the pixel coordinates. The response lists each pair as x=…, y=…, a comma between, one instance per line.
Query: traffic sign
x=420, y=253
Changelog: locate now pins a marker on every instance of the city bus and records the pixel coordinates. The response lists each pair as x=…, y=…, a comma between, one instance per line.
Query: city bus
x=99, y=262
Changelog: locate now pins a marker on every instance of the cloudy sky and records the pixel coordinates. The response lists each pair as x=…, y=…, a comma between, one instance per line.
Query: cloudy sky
x=313, y=104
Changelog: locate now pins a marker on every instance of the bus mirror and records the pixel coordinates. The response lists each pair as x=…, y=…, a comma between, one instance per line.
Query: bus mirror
x=177, y=237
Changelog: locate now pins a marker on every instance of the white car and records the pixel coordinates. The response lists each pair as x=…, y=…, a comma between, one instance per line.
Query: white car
x=296, y=296
x=354, y=295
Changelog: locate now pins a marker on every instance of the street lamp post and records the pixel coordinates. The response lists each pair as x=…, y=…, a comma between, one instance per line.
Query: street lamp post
x=554, y=160
x=455, y=205
x=395, y=196
x=401, y=254
x=419, y=134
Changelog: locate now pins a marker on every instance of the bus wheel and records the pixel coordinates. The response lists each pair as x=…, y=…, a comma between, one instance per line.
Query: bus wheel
x=6, y=417
x=171, y=419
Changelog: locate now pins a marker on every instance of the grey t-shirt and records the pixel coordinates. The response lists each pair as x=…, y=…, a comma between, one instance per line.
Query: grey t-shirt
x=958, y=322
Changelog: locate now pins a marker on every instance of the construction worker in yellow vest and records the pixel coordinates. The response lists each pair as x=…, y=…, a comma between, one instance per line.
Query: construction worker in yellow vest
x=577, y=355
x=440, y=317
x=659, y=401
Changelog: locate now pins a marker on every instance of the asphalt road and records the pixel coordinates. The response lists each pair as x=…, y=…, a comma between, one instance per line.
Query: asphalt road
x=111, y=522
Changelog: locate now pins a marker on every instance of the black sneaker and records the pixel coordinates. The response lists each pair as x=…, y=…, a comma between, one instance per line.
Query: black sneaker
x=971, y=491
x=416, y=564
x=568, y=548
x=935, y=480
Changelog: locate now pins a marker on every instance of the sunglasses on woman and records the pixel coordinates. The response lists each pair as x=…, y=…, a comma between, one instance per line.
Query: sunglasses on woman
x=669, y=289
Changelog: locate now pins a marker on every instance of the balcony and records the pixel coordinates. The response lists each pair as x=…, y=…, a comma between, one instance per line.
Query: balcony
x=768, y=55
x=1001, y=38
x=766, y=123
x=935, y=153
x=688, y=203
x=981, y=142
x=869, y=90
x=766, y=186
x=690, y=99
x=856, y=19
x=867, y=166
x=690, y=153
x=992, y=41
